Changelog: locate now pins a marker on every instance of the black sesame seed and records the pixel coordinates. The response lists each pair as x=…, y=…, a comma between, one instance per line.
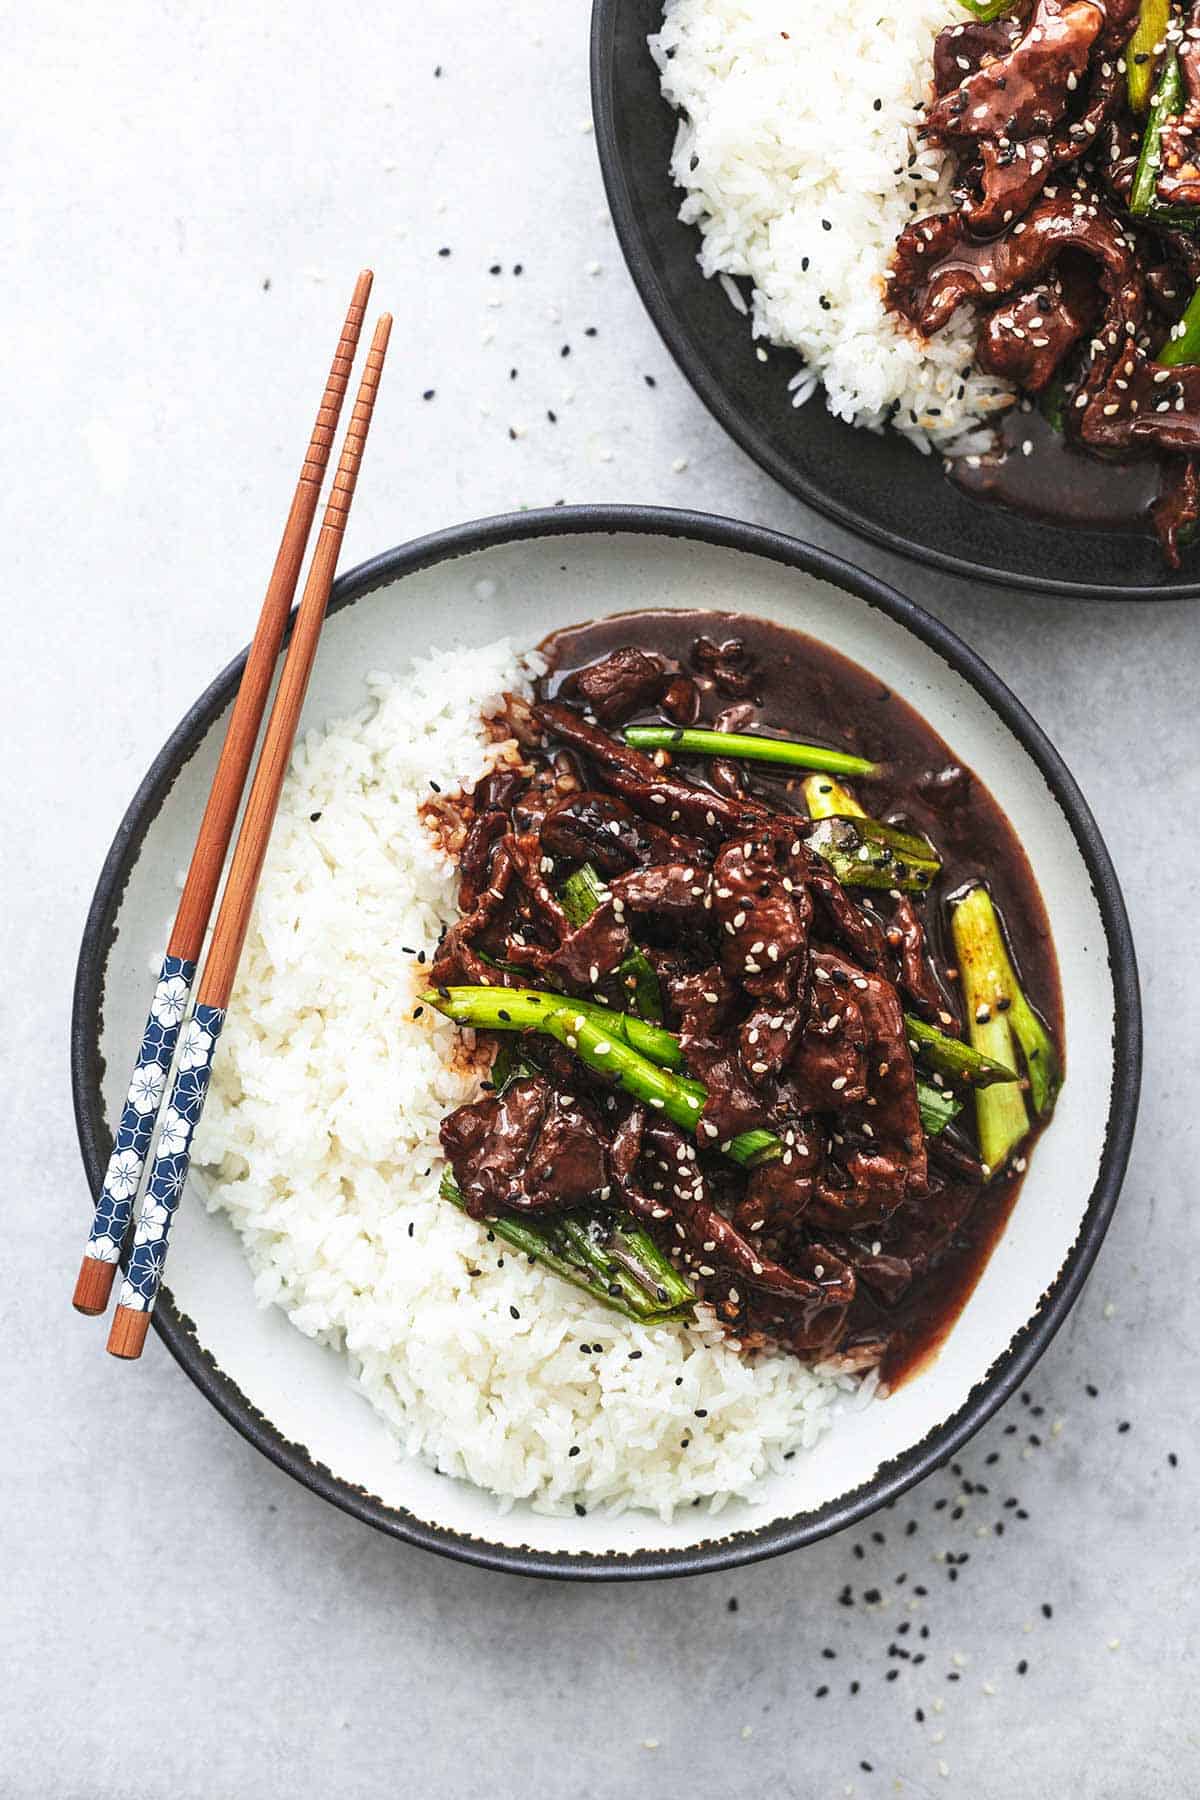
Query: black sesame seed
x=514, y=1312
x=1022, y=1666
x=313, y=817
x=731, y=1604
x=580, y=1511
x=1124, y=1425
x=574, y=1450
x=1047, y=1610
x=649, y=381
x=820, y=1693
x=445, y=250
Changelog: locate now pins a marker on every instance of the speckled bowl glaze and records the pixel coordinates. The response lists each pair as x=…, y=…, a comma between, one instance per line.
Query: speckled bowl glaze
x=874, y=484
x=524, y=575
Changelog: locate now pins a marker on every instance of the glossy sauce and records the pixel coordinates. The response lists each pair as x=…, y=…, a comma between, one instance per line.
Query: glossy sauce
x=808, y=691
x=1057, y=482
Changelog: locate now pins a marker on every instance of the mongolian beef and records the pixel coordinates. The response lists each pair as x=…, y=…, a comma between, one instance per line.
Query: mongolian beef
x=1072, y=128
x=760, y=1038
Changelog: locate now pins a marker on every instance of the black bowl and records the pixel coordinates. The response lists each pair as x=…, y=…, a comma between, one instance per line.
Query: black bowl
x=876, y=485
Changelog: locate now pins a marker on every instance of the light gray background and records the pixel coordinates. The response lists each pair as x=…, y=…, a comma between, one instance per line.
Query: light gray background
x=176, y=1618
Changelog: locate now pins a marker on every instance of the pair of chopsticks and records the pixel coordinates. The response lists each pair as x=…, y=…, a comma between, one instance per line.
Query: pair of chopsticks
x=166, y=1030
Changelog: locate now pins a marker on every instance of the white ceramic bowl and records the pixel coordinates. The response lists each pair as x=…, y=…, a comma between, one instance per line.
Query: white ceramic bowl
x=525, y=575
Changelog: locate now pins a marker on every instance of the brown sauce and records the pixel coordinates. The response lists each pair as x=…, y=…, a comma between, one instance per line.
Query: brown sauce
x=810, y=691
x=1057, y=482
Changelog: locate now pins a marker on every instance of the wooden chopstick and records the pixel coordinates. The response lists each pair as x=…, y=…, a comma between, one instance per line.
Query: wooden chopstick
x=202, y=1033
x=114, y=1204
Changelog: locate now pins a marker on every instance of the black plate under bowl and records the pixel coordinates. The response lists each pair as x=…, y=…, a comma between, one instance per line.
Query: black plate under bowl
x=877, y=485
x=1006, y=1374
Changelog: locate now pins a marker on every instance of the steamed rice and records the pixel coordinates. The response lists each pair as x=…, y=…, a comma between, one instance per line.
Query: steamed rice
x=320, y=1142
x=798, y=152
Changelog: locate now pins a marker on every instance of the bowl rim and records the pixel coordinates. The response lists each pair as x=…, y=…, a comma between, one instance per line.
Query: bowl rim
x=893, y=1478
x=739, y=425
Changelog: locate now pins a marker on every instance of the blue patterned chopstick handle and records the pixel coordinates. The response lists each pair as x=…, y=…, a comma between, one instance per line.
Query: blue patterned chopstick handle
x=147, y=1085
x=172, y=1154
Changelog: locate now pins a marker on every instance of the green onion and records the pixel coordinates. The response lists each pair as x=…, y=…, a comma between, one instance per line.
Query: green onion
x=603, y=1040
x=1153, y=17
x=938, y=1107
x=1165, y=104
x=826, y=798
x=608, y=1256
x=1001, y=1022
x=688, y=741
x=952, y=1057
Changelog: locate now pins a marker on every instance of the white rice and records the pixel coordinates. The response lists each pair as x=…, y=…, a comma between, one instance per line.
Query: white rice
x=320, y=1141
x=797, y=143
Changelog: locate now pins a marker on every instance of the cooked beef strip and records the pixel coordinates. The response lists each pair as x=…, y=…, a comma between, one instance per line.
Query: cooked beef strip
x=533, y=1148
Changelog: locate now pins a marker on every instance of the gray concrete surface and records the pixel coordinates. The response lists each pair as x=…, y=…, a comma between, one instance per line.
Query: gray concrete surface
x=188, y=191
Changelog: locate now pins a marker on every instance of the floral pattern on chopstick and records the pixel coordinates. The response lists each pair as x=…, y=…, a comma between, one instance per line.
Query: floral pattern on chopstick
x=172, y=1154
x=135, y=1129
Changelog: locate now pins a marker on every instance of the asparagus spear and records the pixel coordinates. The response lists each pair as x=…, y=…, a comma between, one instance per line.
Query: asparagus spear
x=582, y=894
x=689, y=741
x=1000, y=1019
x=1166, y=101
x=612, y=1259
x=1153, y=16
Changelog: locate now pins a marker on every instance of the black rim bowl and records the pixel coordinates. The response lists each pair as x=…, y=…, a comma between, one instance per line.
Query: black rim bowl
x=875, y=485
x=178, y=1333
